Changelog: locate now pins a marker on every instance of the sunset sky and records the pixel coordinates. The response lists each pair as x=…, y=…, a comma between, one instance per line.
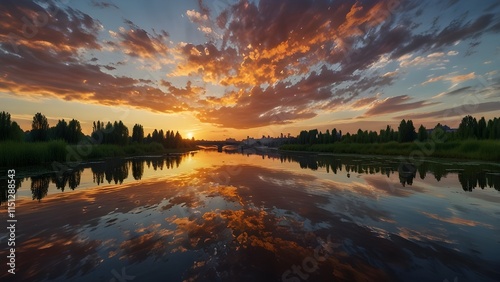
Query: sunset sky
x=227, y=68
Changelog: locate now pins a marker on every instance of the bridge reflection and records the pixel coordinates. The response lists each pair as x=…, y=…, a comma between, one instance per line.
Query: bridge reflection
x=218, y=145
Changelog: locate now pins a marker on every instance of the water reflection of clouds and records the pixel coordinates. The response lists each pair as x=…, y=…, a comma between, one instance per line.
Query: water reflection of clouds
x=425, y=236
x=266, y=216
x=456, y=220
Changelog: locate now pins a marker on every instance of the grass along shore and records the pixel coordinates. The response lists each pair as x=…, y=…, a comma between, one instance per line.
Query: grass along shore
x=25, y=154
x=487, y=150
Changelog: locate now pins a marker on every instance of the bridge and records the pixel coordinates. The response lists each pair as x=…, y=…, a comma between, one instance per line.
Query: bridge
x=219, y=144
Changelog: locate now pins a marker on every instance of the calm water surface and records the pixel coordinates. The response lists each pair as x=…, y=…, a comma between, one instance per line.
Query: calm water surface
x=210, y=216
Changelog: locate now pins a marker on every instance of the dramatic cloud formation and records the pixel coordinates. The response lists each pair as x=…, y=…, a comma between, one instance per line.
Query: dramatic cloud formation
x=251, y=64
x=41, y=31
x=49, y=62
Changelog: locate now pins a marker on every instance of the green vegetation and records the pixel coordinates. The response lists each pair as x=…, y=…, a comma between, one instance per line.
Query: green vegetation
x=66, y=142
x=9, y=130
x=15, y=153
x=21, y=154
x=488, y=150
x=472, y=140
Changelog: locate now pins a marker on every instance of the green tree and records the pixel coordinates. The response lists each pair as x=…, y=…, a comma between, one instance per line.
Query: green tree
x=107, y=133
x=5, y=125
x=373, y=136
x=321, y=138
x=154, y=136
x=422, y=133
x=161, y=136
x=120, y=133
x=348, y=138
x=137, y=133
x=411, y=135
x=481, y=129
x=335, y=136
x=74, y=131
x=39, y=128
x=312, y=136
x=303, y=137
x=495, y=128
x=328, y=137
x=97, y=132
x=402, y=131
x=178, y=140
x=406, y=131
x=61, y=129
x=16, y=133
x=468, y=128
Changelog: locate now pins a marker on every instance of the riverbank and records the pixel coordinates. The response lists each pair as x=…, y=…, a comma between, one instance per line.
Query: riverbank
x=486, y=150
x=26, y=154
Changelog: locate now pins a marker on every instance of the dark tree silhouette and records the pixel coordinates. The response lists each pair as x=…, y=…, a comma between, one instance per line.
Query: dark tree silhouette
x=74, y=131
x=39, y=128
x=422, y=133
x=406, y=131
x=137, y=133
x=4, y=125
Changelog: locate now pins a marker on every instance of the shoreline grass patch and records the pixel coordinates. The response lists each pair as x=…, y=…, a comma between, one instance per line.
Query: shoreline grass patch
x=37, y=153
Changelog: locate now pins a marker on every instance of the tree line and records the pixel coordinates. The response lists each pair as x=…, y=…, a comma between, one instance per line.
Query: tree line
x=469, y=128
x=71, y=132
x=9, y=130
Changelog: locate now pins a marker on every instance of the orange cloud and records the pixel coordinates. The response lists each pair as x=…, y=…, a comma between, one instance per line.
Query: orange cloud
x=455, y=79
x=456, y=220
x=276, y=62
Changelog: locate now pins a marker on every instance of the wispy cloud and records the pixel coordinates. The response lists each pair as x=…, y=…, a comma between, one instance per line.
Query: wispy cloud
x=455, y=79
x=395, y=104
x=456, y=111
x=104, y=4
x=137, y=42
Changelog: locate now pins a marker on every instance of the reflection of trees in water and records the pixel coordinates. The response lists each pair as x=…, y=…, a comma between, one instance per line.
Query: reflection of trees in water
x=406, y=173
x=71, y=178
x=308, y=163
x=470, y=179
x=469, y=176
x=74, y=179
x=112, y=170
x=168, y=162
x=493, y=180
x=4, y=187
x=116, y=170
x=39, y=186
x=137, y=169
x=422, y=170
x=119, y=173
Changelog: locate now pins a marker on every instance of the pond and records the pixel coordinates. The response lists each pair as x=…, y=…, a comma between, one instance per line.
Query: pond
x=212, y=216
